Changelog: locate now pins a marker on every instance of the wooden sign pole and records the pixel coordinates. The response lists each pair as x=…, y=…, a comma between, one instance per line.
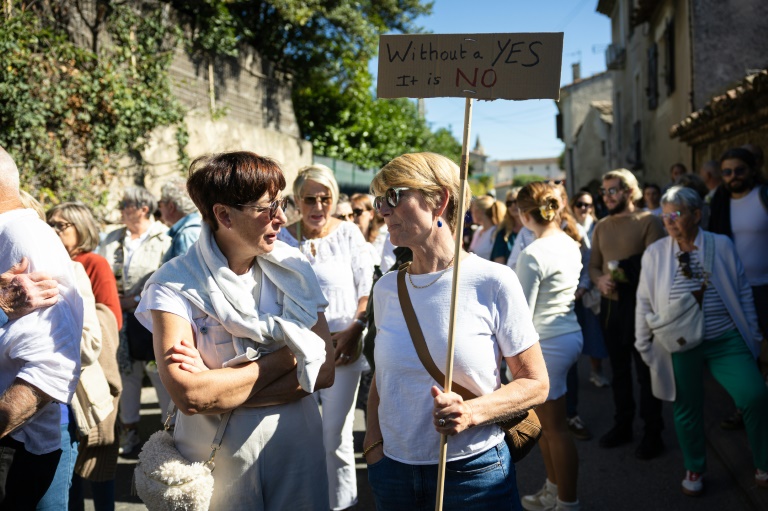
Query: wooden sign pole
x=463, y=172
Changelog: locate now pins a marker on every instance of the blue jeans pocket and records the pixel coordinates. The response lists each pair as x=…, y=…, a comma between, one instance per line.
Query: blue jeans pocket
x=477, y=464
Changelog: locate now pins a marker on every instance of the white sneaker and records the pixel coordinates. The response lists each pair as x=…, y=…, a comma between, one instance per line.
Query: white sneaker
x=129, y=440
x=543, y=500
x=599, y=380
x=693, y=484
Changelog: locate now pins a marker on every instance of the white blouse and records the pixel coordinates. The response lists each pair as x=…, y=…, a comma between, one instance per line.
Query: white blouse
x=343, y=266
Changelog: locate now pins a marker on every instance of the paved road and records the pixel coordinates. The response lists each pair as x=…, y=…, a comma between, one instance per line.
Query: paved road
x=609, y=480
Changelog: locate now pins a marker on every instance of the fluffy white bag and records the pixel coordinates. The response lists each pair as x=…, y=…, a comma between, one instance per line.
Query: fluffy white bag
x=166, y=481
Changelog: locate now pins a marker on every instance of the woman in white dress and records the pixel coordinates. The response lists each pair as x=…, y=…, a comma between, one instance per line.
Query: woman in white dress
x=239, y=327
x=549, y=270
x=488, y=213
x=338, y=255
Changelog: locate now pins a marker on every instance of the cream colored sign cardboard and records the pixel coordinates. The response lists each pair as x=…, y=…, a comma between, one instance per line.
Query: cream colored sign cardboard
x=480, y=66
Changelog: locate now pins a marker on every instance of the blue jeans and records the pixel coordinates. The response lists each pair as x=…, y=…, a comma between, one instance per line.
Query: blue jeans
x=481, y=482
x=57, y=496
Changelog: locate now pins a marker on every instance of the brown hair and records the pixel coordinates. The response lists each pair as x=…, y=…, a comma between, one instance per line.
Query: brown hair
x=364, y=200
x=569, y=223
x=232, y=178
x=539, y=200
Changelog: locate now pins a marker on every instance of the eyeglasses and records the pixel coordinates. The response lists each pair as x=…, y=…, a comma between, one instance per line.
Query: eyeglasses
x=738, y=171
x=609, y=191
x=272, y=207
x=671, y=216
x=358, y=211
x=583, y=205
x=554, y=181
x=392, y=196
x=511, y=203
x=347, y=217
x=60, y=227
x=684, y=258
x=311, y=200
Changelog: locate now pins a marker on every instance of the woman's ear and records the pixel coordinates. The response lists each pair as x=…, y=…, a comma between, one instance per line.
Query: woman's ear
x=442, y=203
x=221, y=212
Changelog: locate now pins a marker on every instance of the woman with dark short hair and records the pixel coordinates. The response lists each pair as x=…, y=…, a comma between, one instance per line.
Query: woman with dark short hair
x=239, y=327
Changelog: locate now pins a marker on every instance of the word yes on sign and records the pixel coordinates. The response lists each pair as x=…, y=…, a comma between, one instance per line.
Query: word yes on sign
x=480, y=66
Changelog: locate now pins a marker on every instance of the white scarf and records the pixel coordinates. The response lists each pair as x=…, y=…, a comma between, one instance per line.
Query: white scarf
x=203, y=276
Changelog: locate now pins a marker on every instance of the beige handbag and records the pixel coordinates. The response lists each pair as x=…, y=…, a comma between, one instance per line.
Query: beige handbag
x=521, y=432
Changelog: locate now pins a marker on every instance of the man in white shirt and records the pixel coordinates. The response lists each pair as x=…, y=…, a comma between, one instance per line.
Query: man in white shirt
x=739, y=209
x=39, y=353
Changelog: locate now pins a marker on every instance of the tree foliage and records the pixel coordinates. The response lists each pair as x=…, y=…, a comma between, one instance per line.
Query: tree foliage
x=325, y=46
x=70, y=111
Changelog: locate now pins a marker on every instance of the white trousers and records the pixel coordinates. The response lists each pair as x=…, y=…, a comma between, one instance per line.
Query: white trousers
x=130, y=399
x=338, y=404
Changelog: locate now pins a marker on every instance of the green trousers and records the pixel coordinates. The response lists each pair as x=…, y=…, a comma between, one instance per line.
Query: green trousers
x=733, y=366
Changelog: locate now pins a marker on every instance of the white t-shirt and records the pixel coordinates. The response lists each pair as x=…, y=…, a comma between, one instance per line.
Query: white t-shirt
x=482, y=242
x=343, y=267
x=549, y=270
x=524, y=238
x=43, y=347
x=493, y=321
x=157, y=297
x=749, y=223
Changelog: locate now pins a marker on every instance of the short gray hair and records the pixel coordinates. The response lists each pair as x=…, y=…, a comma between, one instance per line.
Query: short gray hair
x=175, y=190
x=683, y=196
x=140, y=196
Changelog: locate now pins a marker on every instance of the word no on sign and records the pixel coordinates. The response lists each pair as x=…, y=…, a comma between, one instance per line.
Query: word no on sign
x=480, y=66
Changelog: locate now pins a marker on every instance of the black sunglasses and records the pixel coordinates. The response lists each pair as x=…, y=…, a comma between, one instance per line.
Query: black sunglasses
x=272, y=207
x=357, y=211
x=60, y=226
x=580, y=205
x=311, y=200
x=511, y=202
x=738, y=171
x=554, y=181
x=392, y=196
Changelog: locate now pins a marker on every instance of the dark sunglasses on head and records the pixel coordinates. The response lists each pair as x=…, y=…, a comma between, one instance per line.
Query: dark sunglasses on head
x=391, y=196
x=738, y=171
x=581, y=205
x=311, y=200
x=684, y=258
x=554, y=181
x=511, y=202
x=610, y=191
x=272, y=207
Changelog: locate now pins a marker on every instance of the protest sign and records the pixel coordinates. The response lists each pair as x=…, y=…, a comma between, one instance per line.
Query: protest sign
x=478, y=66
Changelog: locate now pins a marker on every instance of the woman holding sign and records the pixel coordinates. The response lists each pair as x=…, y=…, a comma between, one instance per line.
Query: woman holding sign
x=418, y=194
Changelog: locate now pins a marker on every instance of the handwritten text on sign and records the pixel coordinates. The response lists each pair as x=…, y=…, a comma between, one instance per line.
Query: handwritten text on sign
x=481, y=66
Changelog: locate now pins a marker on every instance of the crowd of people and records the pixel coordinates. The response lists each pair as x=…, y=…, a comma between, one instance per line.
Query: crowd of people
x=255, y=330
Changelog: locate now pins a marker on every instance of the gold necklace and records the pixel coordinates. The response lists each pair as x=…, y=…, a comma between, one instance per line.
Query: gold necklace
x=442, y=272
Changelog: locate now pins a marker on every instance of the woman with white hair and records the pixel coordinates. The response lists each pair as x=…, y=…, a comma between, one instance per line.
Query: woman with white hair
x=704, y=269
x=343, y=265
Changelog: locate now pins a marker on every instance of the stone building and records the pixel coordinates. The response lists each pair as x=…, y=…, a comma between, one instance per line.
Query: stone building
x=585, y=99
x=668, y=58
x=507, y=170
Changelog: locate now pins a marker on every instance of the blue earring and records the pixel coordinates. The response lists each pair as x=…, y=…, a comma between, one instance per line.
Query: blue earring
x=439, y=223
